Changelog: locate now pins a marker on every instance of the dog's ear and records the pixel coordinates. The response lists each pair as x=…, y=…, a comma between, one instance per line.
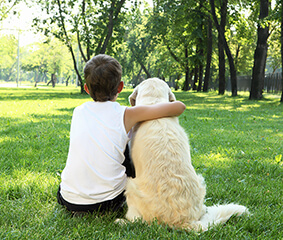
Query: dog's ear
x=133, y=96
x=172, y=97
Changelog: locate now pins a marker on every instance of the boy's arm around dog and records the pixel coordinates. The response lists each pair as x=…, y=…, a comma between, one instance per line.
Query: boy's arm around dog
x=142, y=113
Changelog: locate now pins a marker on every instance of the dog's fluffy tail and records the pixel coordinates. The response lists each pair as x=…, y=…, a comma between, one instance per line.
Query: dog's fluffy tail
x=220, y=214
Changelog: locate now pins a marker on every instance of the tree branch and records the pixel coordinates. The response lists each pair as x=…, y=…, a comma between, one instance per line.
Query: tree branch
x=87, y=32
x=68, y=43
x=80, y=47
x=113, y=19
x=171, y=52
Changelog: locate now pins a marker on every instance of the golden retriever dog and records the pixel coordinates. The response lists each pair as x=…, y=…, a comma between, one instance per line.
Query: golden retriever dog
x=166, y=186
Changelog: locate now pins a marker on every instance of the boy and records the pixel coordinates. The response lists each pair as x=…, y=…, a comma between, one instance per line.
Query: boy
x=94, y=177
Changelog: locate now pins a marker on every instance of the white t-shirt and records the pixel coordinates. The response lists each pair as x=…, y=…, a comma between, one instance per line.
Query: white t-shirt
x=94, y=172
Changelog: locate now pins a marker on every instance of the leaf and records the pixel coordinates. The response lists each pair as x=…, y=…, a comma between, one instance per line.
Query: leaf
x=278, y=159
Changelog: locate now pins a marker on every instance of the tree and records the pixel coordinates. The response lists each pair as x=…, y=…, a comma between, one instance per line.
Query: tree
x=53, y=64
x=35, y=60
x=208, y=55
x=8, y=53
x=200, y=42
x=282, y=49
x=260, y=54
x=221, y=31
x=221, y=53
x=241, y=42
x=274, y=50
x=168, y=25
x=96, y=26
x=180, y=25
x=139, y=40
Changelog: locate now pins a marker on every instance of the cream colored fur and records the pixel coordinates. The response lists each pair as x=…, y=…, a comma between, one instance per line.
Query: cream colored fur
x=166, y=186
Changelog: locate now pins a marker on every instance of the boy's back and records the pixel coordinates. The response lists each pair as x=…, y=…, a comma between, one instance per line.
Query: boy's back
x=98, y=138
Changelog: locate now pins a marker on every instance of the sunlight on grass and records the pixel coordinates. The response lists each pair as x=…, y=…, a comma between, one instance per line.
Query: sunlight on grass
x=25, y=184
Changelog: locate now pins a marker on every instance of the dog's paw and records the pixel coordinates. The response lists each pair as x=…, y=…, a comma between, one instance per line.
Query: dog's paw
x=120, y=221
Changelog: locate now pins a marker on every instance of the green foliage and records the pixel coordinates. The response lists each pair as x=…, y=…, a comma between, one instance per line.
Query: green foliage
x=6, y=7
x=147, y=41
x=94, y=27
x=50, y=57
x=175, y=24
x=135, y=53
x=236, y=144
x=274, y=54
x=8, y=59
x=241, y=35
x=274, y=59
x=86, y=21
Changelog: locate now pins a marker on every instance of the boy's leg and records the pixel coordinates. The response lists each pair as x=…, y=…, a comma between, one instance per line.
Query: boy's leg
x=128, y=163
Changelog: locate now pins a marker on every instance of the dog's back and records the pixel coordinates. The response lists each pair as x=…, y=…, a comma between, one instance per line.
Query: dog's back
x=169, y=187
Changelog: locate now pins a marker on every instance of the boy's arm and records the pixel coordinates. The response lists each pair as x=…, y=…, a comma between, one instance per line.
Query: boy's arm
x=137, y=114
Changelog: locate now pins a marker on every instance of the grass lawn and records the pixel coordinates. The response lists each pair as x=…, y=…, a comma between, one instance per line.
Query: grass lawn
x=236, y=144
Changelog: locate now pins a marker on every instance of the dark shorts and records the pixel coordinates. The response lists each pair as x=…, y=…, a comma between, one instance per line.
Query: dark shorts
x=114, y=205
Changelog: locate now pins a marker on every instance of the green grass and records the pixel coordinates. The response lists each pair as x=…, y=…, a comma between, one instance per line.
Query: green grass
x=236, y=144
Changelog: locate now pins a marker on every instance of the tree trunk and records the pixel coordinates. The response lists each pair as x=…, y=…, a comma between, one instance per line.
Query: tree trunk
x=221, y=53
x=110, y=29
x=67, y=81
x=177, y=81
x=200, y=77
x=113, y=19
x=200, y=64
x=237, y=55
x=282, y=49
x=187, y=81
x=221, y=62
x=196, y=71
x=76, y=69
x=183, y=65
x=201, y=47
x=88, y=43
x=260, y=54
x=186, y=84
x=208, y=56
x=36, y=78
x=69, y=45
x=233, y=74
x=53, y=79
x=145, y=70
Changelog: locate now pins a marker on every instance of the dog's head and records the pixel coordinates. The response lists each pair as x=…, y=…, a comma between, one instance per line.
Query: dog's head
x=151, y=91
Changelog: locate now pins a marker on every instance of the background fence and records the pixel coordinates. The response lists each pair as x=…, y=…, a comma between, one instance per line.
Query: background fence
x=272, y=83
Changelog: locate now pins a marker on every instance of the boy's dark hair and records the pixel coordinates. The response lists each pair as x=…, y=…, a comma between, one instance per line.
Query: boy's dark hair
x=102, y=75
